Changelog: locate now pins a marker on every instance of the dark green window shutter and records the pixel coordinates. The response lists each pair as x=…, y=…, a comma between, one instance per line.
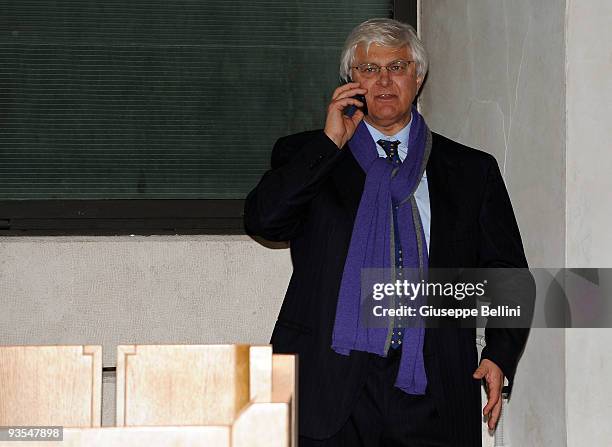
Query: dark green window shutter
x=117, y=99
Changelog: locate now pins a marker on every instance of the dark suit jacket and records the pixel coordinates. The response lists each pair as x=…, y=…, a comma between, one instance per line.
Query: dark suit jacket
x=310, y=197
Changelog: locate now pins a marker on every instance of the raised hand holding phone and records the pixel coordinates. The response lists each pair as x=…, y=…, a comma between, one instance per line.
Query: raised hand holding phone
x=350, y=110
x=338, y=126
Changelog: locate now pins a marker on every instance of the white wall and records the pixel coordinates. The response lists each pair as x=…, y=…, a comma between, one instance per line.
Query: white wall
x=589, y=134
x=111, y=290
x=497, y=83
x=530, y=82
x=121, y=290
x=589, y=210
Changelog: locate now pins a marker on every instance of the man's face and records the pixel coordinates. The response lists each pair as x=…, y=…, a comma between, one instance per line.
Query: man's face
x=389, y=96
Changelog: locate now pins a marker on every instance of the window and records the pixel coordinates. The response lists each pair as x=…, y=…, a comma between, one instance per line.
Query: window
x=156, y=116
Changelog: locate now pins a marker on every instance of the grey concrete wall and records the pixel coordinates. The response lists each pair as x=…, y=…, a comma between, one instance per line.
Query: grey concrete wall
x=121, y=290
x=589, y=134
x=497, y=83
x=589, y=210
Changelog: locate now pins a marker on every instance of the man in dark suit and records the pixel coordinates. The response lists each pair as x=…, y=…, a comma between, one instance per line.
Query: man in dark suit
x=330, y=193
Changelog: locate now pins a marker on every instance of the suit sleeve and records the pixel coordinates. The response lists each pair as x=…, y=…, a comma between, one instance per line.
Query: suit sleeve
x=501, y=248
x=276, y=208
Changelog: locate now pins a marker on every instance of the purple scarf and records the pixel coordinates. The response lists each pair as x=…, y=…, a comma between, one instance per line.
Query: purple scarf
x=372, y=247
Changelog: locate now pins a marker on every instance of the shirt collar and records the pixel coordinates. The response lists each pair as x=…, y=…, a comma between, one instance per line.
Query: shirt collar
x=401, y=136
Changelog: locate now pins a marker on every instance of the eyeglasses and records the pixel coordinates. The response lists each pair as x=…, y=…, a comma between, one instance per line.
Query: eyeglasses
x=397, y=68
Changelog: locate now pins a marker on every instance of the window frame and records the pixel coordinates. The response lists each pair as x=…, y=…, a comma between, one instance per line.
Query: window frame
x=60, y=217
x=121, y=217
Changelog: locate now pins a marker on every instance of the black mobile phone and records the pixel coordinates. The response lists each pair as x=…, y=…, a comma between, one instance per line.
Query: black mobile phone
x=351, y=109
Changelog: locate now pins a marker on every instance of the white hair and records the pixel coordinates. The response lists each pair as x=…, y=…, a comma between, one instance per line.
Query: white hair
x=384, y=32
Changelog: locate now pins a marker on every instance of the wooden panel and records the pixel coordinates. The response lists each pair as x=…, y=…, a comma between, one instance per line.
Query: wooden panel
x=181, y=384
x=262, y=425
x=260, y=372
x=51, y=385
x=137, y=437
x=285, y=387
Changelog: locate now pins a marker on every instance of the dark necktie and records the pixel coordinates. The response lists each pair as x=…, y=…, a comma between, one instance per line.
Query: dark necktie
x=390, y=148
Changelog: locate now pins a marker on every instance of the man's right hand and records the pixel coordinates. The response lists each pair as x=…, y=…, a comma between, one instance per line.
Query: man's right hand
x=339, y=127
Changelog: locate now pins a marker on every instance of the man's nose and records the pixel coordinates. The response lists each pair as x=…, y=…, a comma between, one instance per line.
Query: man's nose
x=383, y=76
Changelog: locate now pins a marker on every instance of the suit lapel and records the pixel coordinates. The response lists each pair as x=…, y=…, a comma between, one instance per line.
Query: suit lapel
x=349, y=180
x=442, y=208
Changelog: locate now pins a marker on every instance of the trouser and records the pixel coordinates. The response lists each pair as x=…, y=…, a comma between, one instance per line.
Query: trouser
x=385, y=416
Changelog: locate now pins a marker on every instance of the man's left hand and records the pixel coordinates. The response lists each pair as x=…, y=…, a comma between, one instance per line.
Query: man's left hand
x=494, y=382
